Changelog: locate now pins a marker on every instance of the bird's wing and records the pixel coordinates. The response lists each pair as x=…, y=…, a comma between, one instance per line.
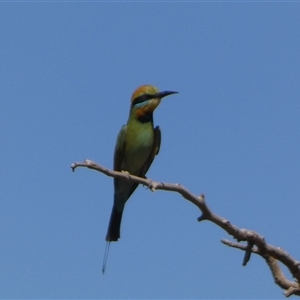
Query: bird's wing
x=120, y=149
x=119, y=156
x=155, y=150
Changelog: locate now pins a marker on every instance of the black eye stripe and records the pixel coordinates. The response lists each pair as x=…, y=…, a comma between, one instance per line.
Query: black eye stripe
x=142, y=98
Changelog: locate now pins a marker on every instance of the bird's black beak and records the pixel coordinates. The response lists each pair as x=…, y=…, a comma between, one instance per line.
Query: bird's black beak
x=164, y=94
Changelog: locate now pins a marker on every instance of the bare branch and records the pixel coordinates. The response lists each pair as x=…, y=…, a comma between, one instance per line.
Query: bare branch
x=255, y=242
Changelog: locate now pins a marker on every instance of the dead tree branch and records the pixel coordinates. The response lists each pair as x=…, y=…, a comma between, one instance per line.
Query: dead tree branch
x=255, y=242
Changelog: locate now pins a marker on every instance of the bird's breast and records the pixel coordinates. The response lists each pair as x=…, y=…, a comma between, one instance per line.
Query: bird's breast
x=139, y=143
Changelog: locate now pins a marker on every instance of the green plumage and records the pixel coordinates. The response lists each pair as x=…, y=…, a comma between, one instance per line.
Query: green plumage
x=137, y=144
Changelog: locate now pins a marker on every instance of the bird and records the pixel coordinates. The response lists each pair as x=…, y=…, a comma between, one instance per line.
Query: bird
x=138, y=142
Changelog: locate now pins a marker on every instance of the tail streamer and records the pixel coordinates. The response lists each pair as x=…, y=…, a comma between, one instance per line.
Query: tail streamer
x=105, y=257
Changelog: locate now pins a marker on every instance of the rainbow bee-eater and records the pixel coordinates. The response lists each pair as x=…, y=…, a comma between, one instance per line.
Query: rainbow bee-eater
x=137, y=144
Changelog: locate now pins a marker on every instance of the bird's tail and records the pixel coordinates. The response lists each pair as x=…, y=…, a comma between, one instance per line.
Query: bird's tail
x=113, y=231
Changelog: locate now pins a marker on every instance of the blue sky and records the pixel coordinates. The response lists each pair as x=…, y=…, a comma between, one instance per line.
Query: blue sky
x=67, y=72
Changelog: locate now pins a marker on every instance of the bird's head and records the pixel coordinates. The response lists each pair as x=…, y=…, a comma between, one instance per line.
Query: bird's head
x=146, y=98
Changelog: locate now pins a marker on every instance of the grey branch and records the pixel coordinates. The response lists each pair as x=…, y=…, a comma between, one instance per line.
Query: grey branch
x=255, y=242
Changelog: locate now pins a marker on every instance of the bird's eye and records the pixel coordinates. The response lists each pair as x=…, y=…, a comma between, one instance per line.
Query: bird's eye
x=142, y=98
